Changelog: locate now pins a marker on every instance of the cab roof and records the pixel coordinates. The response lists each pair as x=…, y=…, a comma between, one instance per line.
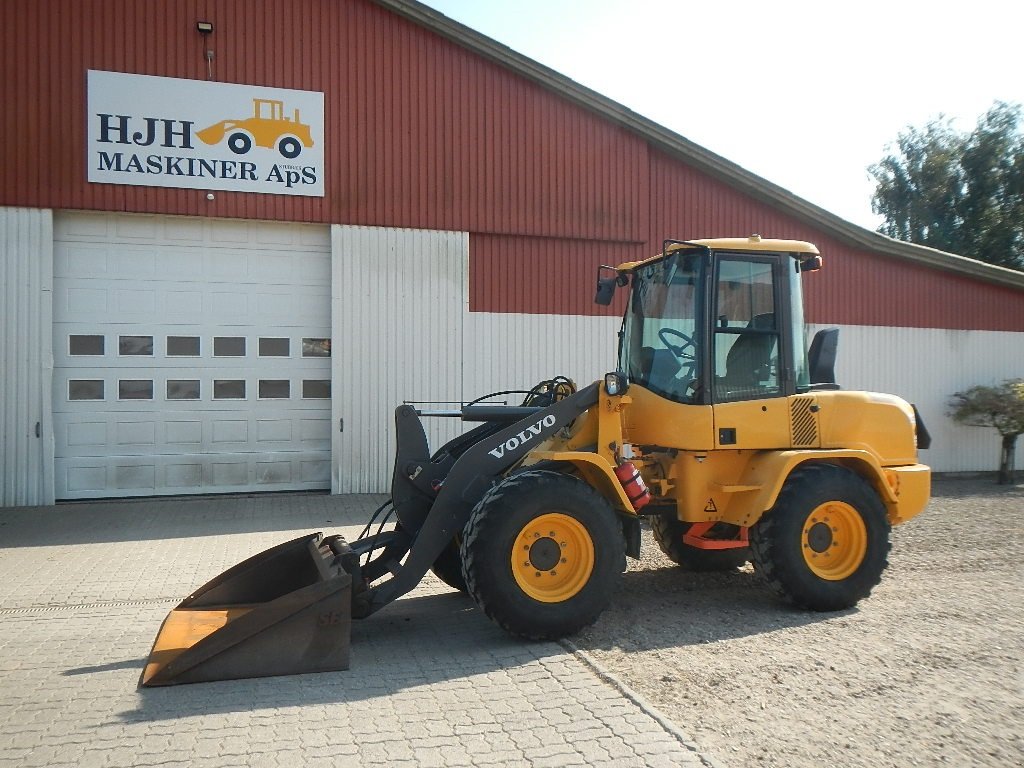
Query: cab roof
x=754, y=243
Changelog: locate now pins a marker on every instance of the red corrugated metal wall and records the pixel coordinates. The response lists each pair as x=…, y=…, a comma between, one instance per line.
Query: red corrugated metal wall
x=855, y=287
x=419, y=131
x=423, y=133
x=540, y=275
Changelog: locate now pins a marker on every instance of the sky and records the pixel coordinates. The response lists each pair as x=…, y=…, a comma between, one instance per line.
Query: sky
x=804, y=94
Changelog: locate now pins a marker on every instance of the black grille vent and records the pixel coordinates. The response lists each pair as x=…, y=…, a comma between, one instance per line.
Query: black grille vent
x=805, y=425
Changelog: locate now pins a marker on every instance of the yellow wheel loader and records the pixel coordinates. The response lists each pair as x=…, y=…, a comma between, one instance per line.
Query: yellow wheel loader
x=718, y=425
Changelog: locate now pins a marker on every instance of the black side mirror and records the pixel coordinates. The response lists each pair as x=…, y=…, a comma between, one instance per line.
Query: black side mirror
x=605, y=290
x=606, y=285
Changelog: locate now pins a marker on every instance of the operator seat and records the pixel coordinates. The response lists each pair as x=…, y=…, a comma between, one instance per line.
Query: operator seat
x=821, y=359
x=748, y=362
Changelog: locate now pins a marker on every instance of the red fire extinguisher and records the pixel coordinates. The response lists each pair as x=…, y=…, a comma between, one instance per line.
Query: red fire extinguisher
x=631, y=480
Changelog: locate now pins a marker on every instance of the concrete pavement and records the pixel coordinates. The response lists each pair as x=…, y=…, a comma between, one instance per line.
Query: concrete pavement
x=84, y=587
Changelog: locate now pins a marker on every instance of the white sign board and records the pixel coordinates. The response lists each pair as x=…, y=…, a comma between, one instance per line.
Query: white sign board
x=194, y=134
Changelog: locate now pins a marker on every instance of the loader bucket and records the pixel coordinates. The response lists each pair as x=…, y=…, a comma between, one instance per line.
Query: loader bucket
x=284, y=611
x=214, y=133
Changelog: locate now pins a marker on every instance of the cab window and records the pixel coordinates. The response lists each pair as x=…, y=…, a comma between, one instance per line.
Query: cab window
x=746, y=335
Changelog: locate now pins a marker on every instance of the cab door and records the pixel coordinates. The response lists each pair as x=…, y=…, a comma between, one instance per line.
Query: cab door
x=750, y=355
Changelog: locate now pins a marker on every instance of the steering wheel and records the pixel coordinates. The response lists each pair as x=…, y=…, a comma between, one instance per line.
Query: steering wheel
x=679, y=350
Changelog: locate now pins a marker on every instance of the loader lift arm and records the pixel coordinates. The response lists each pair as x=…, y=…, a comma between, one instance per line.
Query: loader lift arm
x=426, y=526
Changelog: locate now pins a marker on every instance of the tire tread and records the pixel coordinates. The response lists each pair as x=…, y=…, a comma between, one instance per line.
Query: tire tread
x=486, y=524
x=767, y=541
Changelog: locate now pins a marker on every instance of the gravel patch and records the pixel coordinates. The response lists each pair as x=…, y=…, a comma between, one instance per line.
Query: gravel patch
x=927, y=671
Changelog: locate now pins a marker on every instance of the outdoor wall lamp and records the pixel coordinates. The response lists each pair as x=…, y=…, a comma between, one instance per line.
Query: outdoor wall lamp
x=205, y=28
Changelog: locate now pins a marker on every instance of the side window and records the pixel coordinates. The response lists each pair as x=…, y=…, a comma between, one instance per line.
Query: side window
x=746, y=334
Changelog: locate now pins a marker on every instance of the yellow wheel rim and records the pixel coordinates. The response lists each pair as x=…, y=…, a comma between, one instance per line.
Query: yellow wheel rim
x=553, y=557
x=834, y=540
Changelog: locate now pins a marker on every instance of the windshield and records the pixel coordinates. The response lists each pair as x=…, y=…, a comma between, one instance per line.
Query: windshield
x=660, y=340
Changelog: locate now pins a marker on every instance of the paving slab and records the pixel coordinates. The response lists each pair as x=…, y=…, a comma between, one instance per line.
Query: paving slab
x=84, y=588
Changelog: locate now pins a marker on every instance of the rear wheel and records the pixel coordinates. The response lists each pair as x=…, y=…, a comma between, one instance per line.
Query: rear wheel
x=542, y=554
x=825, y=543
x=669, y=535
x=289, y=147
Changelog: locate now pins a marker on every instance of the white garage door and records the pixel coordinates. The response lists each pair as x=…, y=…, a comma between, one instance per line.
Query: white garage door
x=190, y=356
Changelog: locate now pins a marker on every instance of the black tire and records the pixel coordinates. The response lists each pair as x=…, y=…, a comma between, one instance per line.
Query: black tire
x=289, y=147
x=448, y=566
x=669, y=533
x=818, y=511
x=588, y=550
x=239, y=143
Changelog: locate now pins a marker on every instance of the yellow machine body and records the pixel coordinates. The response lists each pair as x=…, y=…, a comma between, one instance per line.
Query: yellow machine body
x=684, y=464
x=726, y=458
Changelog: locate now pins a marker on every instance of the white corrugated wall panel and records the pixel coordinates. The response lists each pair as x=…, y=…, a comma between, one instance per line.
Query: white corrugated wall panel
x=515, y=351
x=925, y=366
x=399, y=298
x=26, y=356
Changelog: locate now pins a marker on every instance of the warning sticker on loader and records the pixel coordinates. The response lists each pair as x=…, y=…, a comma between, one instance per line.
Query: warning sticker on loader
x=710, y=507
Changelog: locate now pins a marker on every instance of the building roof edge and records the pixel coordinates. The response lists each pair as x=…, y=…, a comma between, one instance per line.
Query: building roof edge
x=697, y=156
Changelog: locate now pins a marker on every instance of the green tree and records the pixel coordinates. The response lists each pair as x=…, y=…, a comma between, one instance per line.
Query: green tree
x=1001, y=408
x=958, y=192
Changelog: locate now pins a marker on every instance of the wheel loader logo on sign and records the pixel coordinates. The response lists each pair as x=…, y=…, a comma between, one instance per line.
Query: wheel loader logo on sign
x=268, y=127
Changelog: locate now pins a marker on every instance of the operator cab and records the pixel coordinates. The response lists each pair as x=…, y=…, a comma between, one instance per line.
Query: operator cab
x=716, y=321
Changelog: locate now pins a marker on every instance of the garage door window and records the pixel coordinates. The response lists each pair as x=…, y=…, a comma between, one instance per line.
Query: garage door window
x=85, y=389
x=135, y=346
x=183, y=346
x=86, y=344
x=272, y=347
x=229, y=389
x=316, y=347
x=316, y=389
x=229, y=346
x=135, y=389
x=183, y=389
x=275, y=389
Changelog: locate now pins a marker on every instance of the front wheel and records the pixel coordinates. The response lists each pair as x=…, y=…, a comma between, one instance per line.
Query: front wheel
x=542, y=554
x=825, y=543
x=239, y=143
